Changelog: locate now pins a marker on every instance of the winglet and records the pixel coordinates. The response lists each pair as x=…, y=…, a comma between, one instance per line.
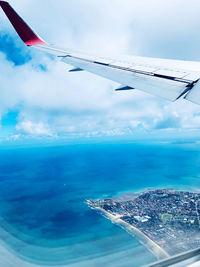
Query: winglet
x=24, y=31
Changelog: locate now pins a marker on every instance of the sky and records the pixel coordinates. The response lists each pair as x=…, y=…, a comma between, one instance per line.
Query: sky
x=39, y=98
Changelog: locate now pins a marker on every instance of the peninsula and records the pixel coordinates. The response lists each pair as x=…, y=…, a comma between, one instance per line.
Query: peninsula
x=168, y=220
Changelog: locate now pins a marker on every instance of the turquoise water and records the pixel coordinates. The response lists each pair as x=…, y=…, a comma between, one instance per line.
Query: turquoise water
x=43, y=215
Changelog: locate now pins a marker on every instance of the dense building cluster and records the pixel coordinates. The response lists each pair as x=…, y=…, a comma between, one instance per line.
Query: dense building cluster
x=168, y=217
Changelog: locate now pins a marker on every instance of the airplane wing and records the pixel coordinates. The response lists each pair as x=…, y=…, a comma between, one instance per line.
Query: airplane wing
x=187, y=259
x=169, y=79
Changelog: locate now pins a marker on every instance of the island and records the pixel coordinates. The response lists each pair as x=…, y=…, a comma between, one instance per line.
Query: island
x=165, y=220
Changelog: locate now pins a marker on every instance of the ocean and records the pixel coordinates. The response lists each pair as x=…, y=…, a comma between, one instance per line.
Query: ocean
x=44, y=219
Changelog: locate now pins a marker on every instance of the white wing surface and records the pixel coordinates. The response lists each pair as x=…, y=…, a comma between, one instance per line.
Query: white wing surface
x=169, y=79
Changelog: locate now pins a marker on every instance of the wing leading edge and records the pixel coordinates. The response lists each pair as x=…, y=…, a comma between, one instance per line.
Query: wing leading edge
x=169, y=79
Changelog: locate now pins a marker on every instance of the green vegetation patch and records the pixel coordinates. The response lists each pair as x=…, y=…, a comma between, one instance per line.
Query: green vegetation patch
x=166, y=218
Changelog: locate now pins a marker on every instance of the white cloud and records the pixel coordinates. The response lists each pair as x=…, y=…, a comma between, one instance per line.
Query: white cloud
x=13, y=137
x=31, y=128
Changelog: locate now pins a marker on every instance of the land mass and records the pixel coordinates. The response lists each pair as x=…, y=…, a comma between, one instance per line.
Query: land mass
x=169, y=220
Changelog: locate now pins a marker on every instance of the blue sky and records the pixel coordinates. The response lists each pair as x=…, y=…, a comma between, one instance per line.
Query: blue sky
x=40, y=99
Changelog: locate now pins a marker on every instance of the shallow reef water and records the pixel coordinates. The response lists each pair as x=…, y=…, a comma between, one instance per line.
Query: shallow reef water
x=44, y=219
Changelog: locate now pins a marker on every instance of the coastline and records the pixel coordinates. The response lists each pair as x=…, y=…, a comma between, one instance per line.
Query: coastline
x=162, y=253
x=139, y=192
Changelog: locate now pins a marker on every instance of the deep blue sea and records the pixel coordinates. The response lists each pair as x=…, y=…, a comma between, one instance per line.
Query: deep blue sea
x=43, y=216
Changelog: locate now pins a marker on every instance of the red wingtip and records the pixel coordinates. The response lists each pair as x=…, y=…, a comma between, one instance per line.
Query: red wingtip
x=24, y=31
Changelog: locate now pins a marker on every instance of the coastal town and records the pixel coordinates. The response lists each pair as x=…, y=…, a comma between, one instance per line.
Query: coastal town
x=169, y=218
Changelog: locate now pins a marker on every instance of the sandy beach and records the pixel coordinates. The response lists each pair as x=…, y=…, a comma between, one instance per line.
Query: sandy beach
x=159, y=251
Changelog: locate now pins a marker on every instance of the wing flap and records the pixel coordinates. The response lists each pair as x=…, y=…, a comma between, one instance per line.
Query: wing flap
x=171, y=73
x=193, y=76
